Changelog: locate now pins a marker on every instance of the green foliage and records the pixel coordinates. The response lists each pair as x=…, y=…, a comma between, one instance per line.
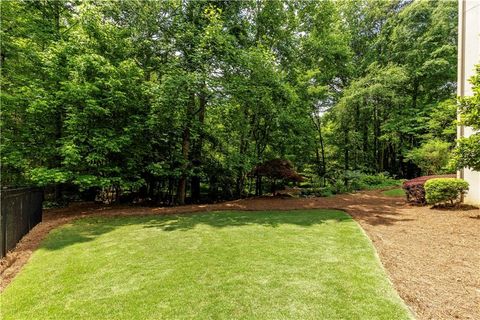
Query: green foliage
x=470, y=106
x=432, y=157
x=442, y=123
x=377, y=181
x=316, y=189
x=167, y=98
x=467, y=153
x=394, y=193
x=395, y=90
x=44, y=176
x=442, y=190
x=349, y=181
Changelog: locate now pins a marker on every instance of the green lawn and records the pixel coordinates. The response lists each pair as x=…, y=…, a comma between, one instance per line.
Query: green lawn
x=394, y=193
x=313, y=264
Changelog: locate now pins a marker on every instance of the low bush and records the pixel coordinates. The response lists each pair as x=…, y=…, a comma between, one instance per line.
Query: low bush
x=377, y=181
x=338, y=182
x=357, y=180
x=445, y=190
x=317, y=192
x=415, y=188
x=432, y=157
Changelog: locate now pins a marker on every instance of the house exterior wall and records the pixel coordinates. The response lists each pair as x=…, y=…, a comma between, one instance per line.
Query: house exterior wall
x=468, y=57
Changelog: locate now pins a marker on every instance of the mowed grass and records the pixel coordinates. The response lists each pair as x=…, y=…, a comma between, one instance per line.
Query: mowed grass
x=313, y=264
x=394, y=193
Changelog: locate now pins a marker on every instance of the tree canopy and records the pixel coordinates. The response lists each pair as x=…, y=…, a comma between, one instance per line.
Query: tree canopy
x=467, y=153
x=176, y=98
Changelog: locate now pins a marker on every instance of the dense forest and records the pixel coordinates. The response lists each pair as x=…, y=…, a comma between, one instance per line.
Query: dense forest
x=181, y=100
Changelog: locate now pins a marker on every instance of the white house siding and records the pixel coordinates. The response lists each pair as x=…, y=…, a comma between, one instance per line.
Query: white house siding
x=468, y=57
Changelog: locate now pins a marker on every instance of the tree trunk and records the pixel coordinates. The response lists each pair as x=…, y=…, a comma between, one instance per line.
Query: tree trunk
x=197, y=150
x=171, y=186
x=365, y=142
x=376, y=147
x=182, y=181
x=346, y=152
x=213, y=188
x=258, y=185
x=240, y=183
x=356, y=149
x=322, y=149
x=240, y=186
x=320, y=154
x=346, y=155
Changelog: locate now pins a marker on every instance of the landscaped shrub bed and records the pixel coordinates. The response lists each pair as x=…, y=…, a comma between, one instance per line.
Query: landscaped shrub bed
x=415, y=188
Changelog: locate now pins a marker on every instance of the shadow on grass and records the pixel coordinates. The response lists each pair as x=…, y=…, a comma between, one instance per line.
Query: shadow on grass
x=88, y=229
x=79, y=232
x=237, y=219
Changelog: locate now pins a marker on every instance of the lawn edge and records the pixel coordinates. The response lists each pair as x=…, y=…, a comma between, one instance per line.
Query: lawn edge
x=409, y=310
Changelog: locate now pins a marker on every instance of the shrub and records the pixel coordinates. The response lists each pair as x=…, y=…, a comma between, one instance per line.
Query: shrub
x=339, y=187
x=326, y=192
x=467, y=154
x=432, y=157
x=377, y=181
x=443, y=190
x=357, y=180
x=277, y=169
x=415, y=188
x=317, y=192
x=339, y=182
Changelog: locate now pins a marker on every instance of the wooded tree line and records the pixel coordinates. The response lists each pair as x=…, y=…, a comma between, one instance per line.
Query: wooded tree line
x=175, y=98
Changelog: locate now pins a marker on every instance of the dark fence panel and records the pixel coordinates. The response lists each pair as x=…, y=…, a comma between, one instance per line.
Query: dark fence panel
x=21, y=210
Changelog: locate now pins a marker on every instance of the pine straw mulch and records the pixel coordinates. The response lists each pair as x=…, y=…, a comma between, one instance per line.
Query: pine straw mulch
x=432, y=256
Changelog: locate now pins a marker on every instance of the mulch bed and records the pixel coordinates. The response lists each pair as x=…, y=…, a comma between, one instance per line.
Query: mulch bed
x=431, y=256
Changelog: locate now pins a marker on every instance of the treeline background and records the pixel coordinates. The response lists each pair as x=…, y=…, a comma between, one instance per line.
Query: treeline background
x=180, y=100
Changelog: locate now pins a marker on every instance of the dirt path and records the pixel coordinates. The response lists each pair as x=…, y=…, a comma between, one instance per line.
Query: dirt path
x=431, y=256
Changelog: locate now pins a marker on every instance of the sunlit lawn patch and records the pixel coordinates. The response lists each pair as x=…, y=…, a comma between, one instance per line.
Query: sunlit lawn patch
x=314, y=264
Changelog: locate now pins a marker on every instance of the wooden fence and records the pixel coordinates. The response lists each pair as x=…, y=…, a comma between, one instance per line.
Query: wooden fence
x=21, y=210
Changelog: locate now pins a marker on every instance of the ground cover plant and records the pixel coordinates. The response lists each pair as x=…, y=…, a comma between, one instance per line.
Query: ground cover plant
x=394, y=193
x=264, y=265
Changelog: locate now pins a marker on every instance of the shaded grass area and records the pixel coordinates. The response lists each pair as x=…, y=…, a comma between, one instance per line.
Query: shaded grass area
x=303, y=264
x=394, y=193
x=388, y=183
